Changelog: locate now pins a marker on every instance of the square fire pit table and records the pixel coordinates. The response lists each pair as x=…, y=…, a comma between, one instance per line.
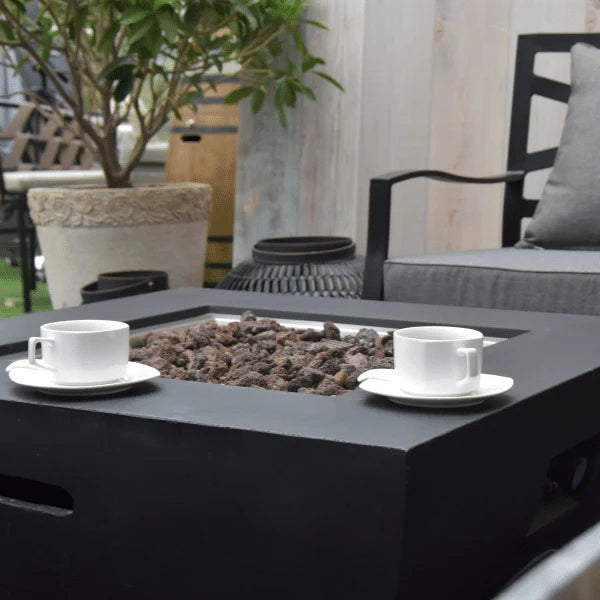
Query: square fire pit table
x=178, y=489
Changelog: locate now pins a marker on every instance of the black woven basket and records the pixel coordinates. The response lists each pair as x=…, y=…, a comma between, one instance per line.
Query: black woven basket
x=308, y=266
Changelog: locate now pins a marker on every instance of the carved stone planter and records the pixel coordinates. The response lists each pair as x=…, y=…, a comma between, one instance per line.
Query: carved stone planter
x=84, y=231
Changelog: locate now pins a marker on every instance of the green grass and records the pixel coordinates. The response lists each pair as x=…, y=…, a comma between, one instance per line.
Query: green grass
x=11, y=293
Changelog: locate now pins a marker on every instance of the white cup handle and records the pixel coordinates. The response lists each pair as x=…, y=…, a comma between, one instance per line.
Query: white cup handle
x=33, y=342
x=472, y=366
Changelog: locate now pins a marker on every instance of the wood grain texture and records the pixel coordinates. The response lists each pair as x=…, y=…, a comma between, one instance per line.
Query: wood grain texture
x=210, y=158
x=428, y=85
x=467, y=121
x=303, y=179
x=395, y=115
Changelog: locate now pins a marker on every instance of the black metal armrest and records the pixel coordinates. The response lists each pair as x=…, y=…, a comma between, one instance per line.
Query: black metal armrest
x=380, y=200
x=398, y=176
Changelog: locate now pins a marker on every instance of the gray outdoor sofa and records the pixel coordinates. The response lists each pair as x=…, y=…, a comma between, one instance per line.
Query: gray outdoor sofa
x=555, y=265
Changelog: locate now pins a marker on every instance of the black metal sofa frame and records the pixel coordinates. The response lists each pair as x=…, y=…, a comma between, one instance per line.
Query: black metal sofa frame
x=520, y=162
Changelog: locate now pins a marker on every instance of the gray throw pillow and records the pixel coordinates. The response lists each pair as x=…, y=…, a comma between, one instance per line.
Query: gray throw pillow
x=568, y=214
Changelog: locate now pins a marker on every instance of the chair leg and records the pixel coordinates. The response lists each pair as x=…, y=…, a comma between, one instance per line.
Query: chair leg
x=25, y=263
x=32, y=245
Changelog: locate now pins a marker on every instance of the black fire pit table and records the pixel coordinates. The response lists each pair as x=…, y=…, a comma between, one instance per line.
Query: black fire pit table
x=178, y=489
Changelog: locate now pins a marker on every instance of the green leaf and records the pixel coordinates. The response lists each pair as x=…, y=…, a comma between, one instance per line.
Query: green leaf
x=307, y=92
x=159, y=4
x=170, y=24
x=45, y=53
x=193, y=14
x=281, y=115
x=310, y=62
x=299, y=41
x=113, y=70
x=315, y=24
x=330, y=79
x=258, y=98
x=217, y=62
x=140, y=29
x=239, y=94
x=19, y=5
x=134, y=15
x=243, y=10
x=123, y=88
x=108, y=37
x=195, y=79
x=21, y=63
x=191, y=98
x=7, y=30
x=153, y=41
x=285, y=93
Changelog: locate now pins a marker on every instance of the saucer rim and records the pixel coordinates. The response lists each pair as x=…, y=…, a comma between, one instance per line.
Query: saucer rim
x=444, y=400
x=150, y=373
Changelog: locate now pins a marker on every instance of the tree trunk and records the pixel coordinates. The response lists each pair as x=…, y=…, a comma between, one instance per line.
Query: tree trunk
x=117, y=180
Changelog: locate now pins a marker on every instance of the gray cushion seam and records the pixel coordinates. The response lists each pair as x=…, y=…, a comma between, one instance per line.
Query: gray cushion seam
x=571, y=272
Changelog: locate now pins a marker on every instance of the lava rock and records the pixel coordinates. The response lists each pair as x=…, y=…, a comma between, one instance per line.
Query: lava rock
x=261, y=353
x=331, y=330
x=252, y=378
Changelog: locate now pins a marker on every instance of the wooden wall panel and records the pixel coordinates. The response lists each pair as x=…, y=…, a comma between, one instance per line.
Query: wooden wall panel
x=394, y=128
x=330, y=134
x=467, y=121
x=428, y=84
x=302, y=180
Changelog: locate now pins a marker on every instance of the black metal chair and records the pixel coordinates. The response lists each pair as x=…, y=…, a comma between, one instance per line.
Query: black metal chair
x=38, y=142
x=15, y=205
x=520, y=162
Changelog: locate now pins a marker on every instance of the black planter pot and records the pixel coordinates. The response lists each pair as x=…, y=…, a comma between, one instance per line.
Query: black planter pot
x=308, y=266
x=119, y=284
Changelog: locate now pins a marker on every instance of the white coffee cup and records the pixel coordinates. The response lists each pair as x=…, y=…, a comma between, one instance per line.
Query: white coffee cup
x=437, y=360
x=84, y=352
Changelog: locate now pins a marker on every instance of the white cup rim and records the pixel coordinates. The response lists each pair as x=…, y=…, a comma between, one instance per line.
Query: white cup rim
x=78, y=326
x=447, y=333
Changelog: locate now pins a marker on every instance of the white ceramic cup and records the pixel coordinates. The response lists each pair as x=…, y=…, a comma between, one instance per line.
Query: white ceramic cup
x=436, y=360
x=84, y=352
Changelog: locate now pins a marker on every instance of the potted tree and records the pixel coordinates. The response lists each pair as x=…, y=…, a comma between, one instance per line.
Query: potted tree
x=140, y=61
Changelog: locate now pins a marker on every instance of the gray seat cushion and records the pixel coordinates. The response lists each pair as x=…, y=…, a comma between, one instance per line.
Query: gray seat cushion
x=566, y=281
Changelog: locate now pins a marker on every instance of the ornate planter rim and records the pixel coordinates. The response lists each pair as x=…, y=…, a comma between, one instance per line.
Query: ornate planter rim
x=96, y=206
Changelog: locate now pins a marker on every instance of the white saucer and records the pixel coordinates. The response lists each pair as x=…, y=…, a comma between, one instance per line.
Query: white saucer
x=22, y=373
x=375, y=381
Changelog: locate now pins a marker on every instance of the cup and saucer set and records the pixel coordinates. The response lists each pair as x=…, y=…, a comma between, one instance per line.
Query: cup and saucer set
x=80, y=358
x=436, y=366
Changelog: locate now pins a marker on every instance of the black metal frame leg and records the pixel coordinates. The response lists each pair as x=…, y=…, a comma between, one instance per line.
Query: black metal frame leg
x=25, y=259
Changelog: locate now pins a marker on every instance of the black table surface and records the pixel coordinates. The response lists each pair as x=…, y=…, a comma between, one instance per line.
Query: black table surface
x=543, y=352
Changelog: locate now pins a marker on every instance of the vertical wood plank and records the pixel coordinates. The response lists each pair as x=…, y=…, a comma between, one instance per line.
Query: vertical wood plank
x=302, y=180
x=330, y=135
x=267, y=179
x=395, y=101
x=467, y=121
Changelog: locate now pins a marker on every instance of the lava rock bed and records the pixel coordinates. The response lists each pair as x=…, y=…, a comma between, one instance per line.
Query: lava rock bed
x=261, y=353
